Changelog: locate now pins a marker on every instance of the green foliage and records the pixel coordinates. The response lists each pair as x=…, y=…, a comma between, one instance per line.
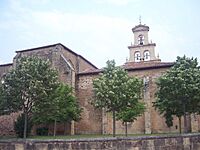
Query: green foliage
x=3, y=102
x=32, y=80
x=68, y=107
x=61, y=105
x=28, y=84
x=179, y=90
x=109, y=88
x=118, y=93
x=19, y=126
x=43, y=131
x=43, y=110
x=131, y=112
x=131, y=108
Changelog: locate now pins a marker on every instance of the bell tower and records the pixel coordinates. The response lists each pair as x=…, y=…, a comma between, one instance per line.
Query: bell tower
x=142, y=49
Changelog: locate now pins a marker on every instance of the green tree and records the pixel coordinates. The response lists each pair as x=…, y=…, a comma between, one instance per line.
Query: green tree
x=179, y=91
x=32, y=80
x=43, y=111
x=3, y=103
x=19, y=126
x=132, y=107
x=115, y=92
x=62, y=108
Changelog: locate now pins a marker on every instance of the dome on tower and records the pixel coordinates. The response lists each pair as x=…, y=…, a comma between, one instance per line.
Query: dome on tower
x=140, y=27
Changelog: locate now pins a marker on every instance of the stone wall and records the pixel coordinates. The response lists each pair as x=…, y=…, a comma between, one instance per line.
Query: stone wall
x=4, y=69
x=7, y=124
x=78, y=62
x=91, y=122
x=65, y=61
x=153, y=121
x=7, y=121
x=176, y=142
x=150, y=122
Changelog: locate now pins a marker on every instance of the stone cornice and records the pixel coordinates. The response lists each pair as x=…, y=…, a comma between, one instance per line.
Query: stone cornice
x=137, y=46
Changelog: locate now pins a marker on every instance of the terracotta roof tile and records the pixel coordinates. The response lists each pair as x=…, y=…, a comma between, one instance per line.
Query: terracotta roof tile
x=129, y=66
x=146, y=65
x=91, y=71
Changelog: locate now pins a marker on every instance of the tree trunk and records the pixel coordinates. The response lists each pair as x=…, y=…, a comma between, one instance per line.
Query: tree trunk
x=48, y=129
x=185, y=119
x=179, y=119
x=126, y=129
x=25, y=124
x=65, y=128
x=189, y=123
x=114, y=123
x=185, y=124
x=55, y=127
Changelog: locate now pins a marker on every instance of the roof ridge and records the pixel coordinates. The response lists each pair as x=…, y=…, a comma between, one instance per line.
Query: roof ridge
x=7, y=64
x=47, y=46
x=132, y=67
x=35, y=48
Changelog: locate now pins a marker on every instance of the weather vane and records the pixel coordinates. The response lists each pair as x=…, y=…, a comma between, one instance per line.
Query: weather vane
x=140, y=19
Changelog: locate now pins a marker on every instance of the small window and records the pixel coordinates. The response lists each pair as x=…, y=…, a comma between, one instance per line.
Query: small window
x=140, y=40
x=3, y=78
x=146, y=55
x=137, y=56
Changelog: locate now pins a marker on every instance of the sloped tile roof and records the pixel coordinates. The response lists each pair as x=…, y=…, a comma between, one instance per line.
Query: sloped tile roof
x=131, y=66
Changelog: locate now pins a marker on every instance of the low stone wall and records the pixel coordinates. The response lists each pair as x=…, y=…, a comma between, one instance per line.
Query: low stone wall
x=7, y=124
x=176, y=142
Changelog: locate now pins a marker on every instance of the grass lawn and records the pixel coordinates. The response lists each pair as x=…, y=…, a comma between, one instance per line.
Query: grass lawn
x=85, y=136
x=70, y=136
x=95, y=136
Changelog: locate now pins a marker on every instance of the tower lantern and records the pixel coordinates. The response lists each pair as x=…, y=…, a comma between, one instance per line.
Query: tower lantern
x=141, y=50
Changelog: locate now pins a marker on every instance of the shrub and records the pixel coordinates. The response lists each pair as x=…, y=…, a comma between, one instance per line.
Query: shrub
x=19, y=126
x=42, y=131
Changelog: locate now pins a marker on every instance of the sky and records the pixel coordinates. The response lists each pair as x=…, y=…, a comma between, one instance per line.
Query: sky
x=100, y=30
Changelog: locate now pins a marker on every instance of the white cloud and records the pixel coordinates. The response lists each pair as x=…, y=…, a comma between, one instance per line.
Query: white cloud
x=1, y=61
x=115, y=2
x=89, y=34
x=167, y=42
x=16, y=6
x=76, y=22
x=96, y=37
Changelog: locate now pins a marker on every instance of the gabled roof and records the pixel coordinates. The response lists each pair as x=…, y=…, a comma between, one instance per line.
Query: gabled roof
x=66, y=48
x=134, y=66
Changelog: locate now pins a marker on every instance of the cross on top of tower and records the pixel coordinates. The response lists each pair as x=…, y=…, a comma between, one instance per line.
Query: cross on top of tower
x=140, y=19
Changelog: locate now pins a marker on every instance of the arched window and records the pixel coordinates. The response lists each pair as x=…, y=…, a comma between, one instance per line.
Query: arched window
x=146, y=55
x=137, y=56
x=140, y=39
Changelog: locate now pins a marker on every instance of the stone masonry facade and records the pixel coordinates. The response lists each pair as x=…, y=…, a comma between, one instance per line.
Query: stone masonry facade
x=61, y=58
x=149, y=122
x=178, y=142
x=79, y=73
